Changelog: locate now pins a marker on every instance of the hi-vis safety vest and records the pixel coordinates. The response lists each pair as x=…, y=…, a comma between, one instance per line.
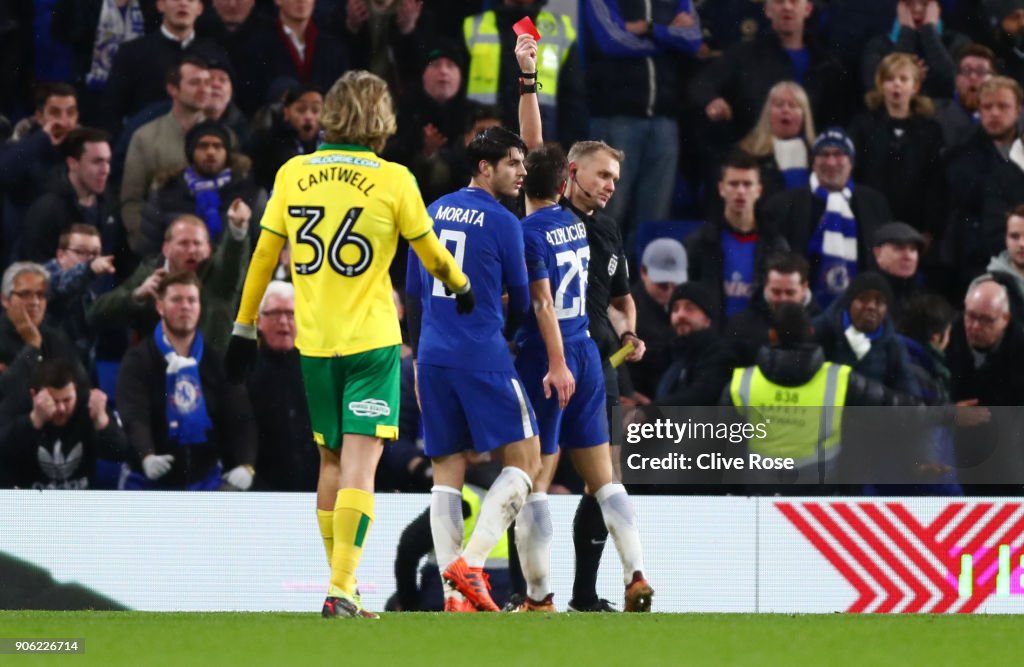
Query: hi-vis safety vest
x=472, y=495
x=803, y=423
x=484, y=45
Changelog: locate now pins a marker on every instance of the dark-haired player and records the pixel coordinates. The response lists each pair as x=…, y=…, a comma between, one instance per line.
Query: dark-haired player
x=558, y=262
x=468, y=387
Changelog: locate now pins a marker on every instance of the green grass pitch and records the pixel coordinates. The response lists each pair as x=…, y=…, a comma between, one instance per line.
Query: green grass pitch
x=536, y=640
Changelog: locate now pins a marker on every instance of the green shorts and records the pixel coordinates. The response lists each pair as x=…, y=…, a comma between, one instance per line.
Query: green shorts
x=357, y=393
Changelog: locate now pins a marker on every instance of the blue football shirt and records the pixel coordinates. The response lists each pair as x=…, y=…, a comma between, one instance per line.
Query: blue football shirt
x=738, y=252
x=557, y=249
x=487, y=243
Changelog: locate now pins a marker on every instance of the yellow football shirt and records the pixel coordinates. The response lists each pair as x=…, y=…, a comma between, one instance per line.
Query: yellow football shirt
x=342, y=209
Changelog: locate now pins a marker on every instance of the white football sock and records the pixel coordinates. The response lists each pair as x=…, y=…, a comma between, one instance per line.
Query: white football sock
x=499, y=508
x=533, y=541
x=621, y=521
x=446, y=527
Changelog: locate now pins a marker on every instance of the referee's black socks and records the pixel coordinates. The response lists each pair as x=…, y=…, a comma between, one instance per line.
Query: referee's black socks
x=589, y=535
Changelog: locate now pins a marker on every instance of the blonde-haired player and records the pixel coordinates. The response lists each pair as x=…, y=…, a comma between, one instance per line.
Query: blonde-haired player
x=342, y=209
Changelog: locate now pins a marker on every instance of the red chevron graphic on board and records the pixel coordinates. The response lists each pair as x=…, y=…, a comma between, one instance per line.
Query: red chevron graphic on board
x=896, y=563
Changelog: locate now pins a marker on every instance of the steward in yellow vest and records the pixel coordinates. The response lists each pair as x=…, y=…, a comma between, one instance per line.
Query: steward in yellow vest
x=801, y=400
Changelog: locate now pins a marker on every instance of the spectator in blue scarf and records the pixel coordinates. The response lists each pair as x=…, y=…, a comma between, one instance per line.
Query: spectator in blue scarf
x=857, y=330
x=831, y=219
x=187, y=424
x=214, y=180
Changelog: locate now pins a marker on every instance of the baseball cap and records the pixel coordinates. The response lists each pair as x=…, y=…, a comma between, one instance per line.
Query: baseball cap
x=834, y=137
x=898, y=232
x=665, y=261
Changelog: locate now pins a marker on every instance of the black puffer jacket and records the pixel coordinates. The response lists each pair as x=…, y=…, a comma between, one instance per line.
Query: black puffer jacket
x=747, y=330
x=172, y=198
x=701, y=365
x=795, y=366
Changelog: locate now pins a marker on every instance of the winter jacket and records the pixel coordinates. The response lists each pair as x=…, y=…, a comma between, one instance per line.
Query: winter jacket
x=747, y=330
x=171, y=197
x=901, y=159
x=795, y=213
x=886, y=362
x=937, y=48
x=221, y=276
x=701, y=365
x=53, y=214
x=636, y=75
x=142, y=401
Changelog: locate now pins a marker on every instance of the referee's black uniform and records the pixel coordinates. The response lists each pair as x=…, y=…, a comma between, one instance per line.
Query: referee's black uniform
x=607, y=278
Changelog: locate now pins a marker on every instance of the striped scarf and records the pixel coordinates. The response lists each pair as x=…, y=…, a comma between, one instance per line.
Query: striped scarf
x=834, y=244
x=114, y=27
x=791, y=157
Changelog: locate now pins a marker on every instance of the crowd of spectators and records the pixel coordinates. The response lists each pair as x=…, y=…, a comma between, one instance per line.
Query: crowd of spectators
x=861, y=158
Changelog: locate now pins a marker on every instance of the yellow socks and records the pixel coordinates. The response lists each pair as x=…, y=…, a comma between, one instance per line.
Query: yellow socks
x=325, y=518
x=353, y=514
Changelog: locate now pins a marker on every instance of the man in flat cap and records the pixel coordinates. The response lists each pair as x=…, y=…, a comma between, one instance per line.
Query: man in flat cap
x=897, y=250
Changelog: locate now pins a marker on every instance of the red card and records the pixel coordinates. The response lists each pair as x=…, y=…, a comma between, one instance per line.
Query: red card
x=525, y=26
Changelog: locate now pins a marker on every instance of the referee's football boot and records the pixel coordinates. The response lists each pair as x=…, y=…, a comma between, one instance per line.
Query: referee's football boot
x=598, y=605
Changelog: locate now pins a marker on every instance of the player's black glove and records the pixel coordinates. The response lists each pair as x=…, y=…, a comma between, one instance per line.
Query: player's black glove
x=240, y=357
x=465, y=302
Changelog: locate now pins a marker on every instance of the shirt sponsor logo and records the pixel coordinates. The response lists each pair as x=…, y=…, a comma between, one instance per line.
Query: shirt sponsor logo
x=737, y=287
x=371, y=407
x=343, y=159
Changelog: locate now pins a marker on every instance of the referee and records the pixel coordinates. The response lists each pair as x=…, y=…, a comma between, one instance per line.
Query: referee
x=593, y=172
